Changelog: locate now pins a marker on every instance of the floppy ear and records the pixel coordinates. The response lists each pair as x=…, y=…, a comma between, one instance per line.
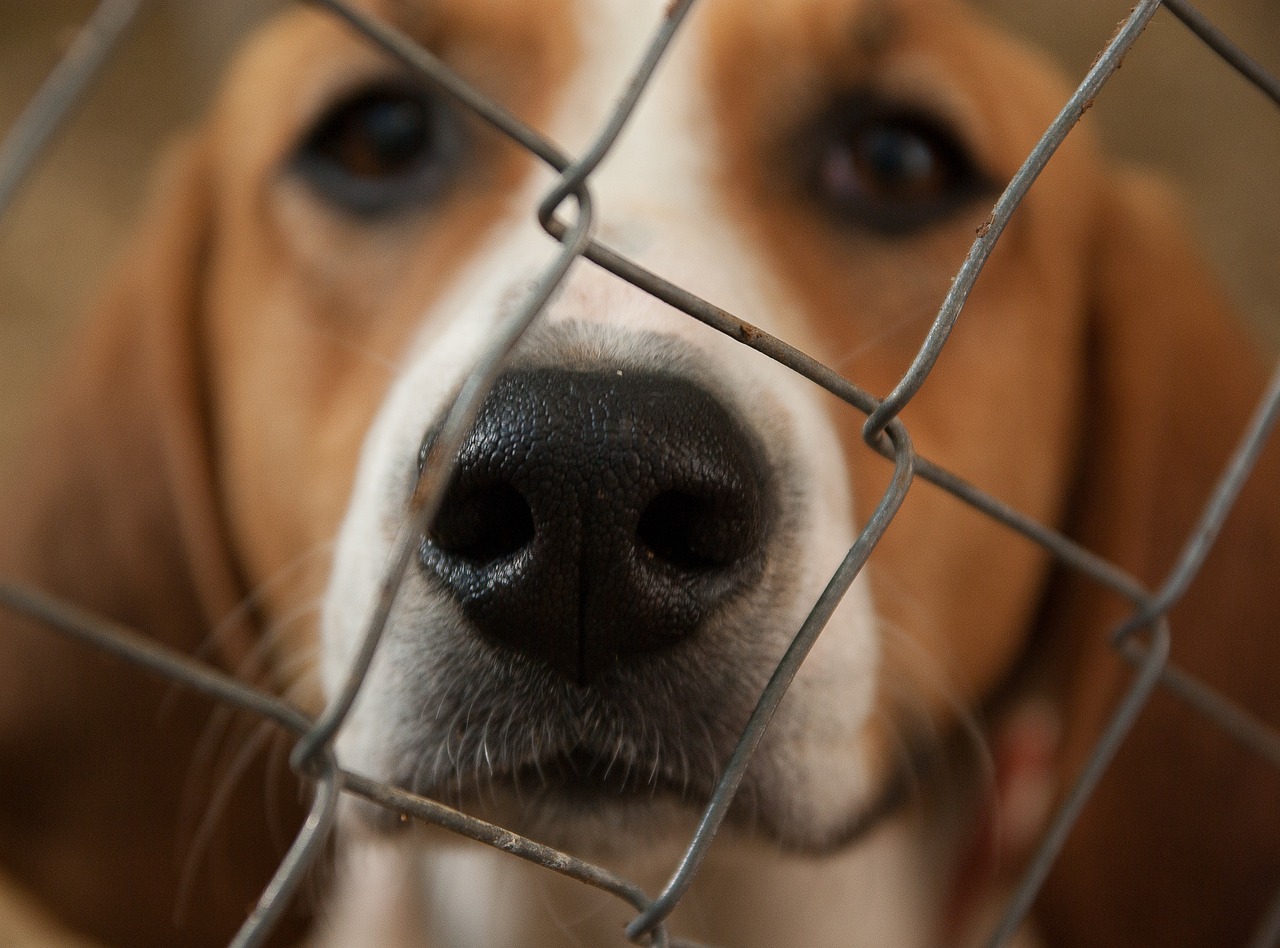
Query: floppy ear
x=1180, y=845
x=113, y=507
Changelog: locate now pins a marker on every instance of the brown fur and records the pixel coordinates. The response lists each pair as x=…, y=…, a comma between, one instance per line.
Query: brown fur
x=1181, y=844
x=869, y=301
x=156, y=495
x=114, y=508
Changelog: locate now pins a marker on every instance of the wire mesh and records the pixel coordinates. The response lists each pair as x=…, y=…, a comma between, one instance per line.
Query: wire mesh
x=1144, y=639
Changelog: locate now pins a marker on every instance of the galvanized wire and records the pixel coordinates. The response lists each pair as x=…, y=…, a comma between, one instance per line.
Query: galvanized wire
x=1268, y=931
x=1220, y=43
x=1206, y=530
x=777, y=687
x=1144, y=640
x=1107, y=63
x=61, y=91
x=434, y=477
x=1117, y=729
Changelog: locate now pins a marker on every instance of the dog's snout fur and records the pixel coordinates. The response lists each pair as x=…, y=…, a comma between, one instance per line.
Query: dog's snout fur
x=611, y=579
x=597, y=516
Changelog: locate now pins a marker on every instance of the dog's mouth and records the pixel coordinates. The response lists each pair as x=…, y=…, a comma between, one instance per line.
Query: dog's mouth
x=603, y=591
x=595, y=797
x=585, y=776
x=575, y=799
x=577, y=777
x=505, y=740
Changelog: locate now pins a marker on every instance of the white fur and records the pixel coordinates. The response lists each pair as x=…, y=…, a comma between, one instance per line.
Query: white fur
x=656, y=203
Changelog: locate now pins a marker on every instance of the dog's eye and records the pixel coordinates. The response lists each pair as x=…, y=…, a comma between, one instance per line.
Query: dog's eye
x=381, y=150
x=892, y=170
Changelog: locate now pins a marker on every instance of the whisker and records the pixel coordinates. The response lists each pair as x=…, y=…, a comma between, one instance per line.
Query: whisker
x=255, y=597
x=221, y=717
x=276, y=777
x=916, y=318
x=203, y=763
x=219, y=801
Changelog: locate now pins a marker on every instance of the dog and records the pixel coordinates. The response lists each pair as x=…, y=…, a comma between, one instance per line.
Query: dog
x=645, y=511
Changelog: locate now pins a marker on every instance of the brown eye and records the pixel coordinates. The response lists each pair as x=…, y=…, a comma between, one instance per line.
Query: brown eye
x=383, y=149
x=891, y=170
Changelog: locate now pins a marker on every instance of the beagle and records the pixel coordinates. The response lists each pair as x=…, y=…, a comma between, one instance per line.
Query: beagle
x=645, y=510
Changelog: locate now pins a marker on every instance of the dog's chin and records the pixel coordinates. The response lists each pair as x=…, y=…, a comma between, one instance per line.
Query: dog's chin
x=599, y=824
x=562, y=804
x=608, y=810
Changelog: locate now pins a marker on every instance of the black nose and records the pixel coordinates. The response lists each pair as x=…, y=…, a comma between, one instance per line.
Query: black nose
x=598, y=515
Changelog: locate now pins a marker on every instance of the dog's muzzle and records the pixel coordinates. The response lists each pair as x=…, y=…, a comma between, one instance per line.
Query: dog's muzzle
x=631, y=536
x=598, y=516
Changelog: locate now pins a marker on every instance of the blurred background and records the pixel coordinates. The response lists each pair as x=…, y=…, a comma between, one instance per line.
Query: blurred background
x=1174, y=105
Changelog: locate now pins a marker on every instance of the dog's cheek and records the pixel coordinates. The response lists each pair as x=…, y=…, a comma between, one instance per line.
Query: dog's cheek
x=375, y=521
x=360, y=554
x=816, y=763
x=385, y=475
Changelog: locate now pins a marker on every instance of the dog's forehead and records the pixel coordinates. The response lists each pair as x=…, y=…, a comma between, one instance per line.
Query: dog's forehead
x=869, y=22
x=604, y=38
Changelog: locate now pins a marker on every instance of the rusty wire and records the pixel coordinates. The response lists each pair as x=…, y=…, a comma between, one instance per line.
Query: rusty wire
x=1144, y=639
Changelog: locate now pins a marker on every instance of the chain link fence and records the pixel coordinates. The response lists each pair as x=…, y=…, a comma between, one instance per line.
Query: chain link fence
x=568, y=214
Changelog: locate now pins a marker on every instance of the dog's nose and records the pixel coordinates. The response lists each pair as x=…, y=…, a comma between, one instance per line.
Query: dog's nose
x=598, y=515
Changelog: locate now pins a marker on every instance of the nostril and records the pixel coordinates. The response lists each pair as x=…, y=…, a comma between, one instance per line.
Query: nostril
x=483, y=523
x=598, y=515
x=694, y=532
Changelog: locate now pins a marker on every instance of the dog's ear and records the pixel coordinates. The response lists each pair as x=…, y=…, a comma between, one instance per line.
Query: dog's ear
x=1181, y=842
x=113, y=507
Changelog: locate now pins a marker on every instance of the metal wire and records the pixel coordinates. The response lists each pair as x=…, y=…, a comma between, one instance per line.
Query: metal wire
x=58, y=96
x=429, y=492
x=783, y=675
x=1144, y=640
x=1221, y=44
x=1122, y=721
x=1215, y=514
x=990, y=232
x=1268, y=933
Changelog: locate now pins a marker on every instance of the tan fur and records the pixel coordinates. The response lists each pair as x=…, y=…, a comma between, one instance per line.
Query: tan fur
x=318, y=311
x=1023, y=329
x=160, y=492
